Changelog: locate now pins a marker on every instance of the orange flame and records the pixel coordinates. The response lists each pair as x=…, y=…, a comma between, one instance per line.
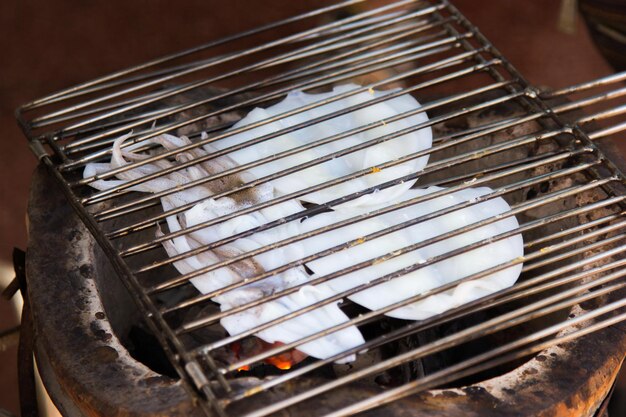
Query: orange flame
x=280, y=362
x=283, y=361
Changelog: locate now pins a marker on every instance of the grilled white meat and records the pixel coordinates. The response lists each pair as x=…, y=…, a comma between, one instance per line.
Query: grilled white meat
x=365, y=159
x=425, y=277
x=292, y=330
x=205, y=208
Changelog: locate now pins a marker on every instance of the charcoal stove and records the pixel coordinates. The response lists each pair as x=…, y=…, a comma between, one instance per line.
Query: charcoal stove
x=549, y=345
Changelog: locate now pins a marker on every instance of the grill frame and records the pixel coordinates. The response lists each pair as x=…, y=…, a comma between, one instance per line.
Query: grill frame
x=528, y=95
x=101, y=384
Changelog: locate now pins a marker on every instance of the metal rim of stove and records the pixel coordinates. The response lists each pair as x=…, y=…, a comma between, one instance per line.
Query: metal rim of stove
x=477, y=51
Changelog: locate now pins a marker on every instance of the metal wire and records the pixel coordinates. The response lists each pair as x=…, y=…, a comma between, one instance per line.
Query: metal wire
x=376, y=313
x=541, y=158
x=490, y=359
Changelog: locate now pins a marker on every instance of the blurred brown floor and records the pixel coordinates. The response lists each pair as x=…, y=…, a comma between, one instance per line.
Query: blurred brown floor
x=47, y=45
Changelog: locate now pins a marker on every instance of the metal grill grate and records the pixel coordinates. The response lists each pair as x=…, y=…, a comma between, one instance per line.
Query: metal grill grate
x=566, y=196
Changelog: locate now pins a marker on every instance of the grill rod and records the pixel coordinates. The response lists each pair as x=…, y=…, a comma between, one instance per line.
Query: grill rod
x=488, y=360
x=408, y=203
x=421, y=43
x=179, y=90
x=431, y=168
x=519, y=291
x=290, y=129
x=569, y=108
x=61, y=95
x=423, y=153
x=370, y=262
x=378, y=312
x=475, y=332
x=559, y=109
x=310, y=69
x=444, y=63
x=368, y=317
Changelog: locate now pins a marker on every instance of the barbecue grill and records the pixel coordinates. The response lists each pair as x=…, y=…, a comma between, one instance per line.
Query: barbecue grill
x=539, y=150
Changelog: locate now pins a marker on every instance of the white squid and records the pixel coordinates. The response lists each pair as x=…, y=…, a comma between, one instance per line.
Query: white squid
x=385, y=294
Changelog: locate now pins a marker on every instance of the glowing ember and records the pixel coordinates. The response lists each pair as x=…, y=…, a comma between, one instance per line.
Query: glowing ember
x=254, y=346
x=279, y=363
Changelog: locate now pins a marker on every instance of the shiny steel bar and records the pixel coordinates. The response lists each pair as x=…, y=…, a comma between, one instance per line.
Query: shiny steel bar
x=106, y=214
x=309, y=69
x=359, y=320
x=520, y=290
x=178, y=90
x=609, y=131
x=493, y=358
x=601, y=115
x=97, y=197
x=531, y=311
x=164, y=79
x=97, y=110
x=579, y=88
x=598, y=98
x=179, y=209
x=501, y=191
x=462, y=57
x=543, y=252
x=60, y=94
x=446, y=163
x=514, y=293
x=417, y=266
x=576, y=105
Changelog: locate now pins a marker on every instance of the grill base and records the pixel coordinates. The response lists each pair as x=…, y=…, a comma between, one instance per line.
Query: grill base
x=92, y=368
x=80, y=350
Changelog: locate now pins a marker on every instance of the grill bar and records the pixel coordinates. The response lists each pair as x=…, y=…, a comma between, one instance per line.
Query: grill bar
x=362, y=319
x=326, y=140
x=432, y=167
x=379, y=312
x=529, y=312
x=162, y=80
x=61, y=95
x=96, y=196
x=489, y=360
x=407, y=203
x=462, y=57
x=482, y=303
x=181, y=208
x=311, y=145
x=206, y=297
x=296, y=73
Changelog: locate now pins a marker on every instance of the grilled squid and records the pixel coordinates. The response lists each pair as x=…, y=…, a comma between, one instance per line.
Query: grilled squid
x=380, y=268
x=206, y=209
x=349, y=129
x=420, y=270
